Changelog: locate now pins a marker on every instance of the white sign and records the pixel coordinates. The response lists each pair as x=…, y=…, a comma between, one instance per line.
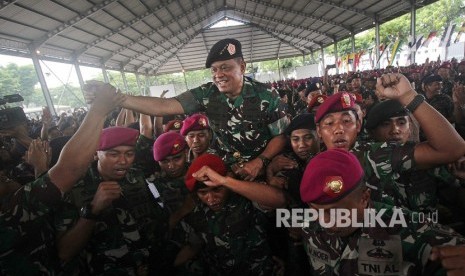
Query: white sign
x=156, y=91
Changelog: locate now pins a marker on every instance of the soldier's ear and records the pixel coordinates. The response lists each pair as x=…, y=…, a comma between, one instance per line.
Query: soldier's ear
x=366, y=194
x=95, y=156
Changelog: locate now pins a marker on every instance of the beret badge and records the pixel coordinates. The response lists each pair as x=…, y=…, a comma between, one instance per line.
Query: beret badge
x=176, y=147
x=333, y=185
x=202, y=122
x=177, y=125
x=320, y=100
x=345, y=100
x=231, y=49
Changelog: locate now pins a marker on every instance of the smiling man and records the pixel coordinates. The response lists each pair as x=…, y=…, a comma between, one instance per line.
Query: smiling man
x=243, y=113
x=384, y=163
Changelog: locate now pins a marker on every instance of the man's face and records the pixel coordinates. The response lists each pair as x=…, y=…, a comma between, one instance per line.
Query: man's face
x=434, y=87
x=228, y=76
x=395, y=129
x=113, y=164
x=356, y=83
x=214, y=197
x=349, y=86
x=304, y=143
x=313, y=94
x=339, y=129
x=174, y=165
x=198, y=140
x=356, y=200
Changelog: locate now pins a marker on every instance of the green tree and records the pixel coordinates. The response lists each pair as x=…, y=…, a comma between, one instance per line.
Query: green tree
x=18, y=79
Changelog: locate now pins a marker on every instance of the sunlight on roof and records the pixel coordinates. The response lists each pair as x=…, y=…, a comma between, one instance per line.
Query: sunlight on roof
x=226, y=23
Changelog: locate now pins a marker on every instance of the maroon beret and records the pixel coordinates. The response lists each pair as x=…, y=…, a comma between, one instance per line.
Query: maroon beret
x=117, y=136
x=174, y=125
x=446, y=65
x=317, y=101
x=357, y=97
x=335, y=103
x=210, y=160
x=330, y=176
x=194, y=122
x=169, y=143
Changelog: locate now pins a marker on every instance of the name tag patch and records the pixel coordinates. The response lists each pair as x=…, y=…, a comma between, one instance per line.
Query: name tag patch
x=380, y=257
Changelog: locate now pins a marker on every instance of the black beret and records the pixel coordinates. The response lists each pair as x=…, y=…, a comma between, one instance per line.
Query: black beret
x=313, y=86
x=223, y=50
x=302, y=121
x=301, y=87
x=431, y=78
x=384, y=110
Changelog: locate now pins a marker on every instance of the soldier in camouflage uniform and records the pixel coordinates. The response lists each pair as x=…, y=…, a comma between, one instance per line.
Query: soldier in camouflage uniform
x=199, y=136
x=170, y=151
x=120, y=227
x=27, y=233
x=440, y=101
x=285, y=172
x=229, y=219
x=244, y=114
x=396, y=244
x=420, y=190
x=384, y=163
x=445, y=71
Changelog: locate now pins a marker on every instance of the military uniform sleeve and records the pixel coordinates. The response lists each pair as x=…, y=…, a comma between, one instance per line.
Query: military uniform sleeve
x=189, y=101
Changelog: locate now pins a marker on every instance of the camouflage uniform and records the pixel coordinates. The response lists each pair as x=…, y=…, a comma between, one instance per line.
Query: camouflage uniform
x=379, y=251
x=127, y=231
x=234, y=238
x=388, y=168
x=442, y=103
x=243, y=125
x=295, y=258
x=447, y=87
x=27, y=235
x=144, y=157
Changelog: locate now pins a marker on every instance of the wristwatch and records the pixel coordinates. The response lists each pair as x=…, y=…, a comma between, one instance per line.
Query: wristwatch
x=419, y=98
x=86, y=212
x=265, y=160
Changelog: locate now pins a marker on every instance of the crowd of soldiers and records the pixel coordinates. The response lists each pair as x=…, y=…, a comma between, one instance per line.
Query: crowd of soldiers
x=201, y=194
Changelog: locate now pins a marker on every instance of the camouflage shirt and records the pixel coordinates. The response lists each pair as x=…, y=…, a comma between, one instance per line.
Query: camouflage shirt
x=442, y=103
x=392, y=175
x=172, y=191
x=379, y=250
x=126, y=232
x=234, y=238
x=27, y=235
x=243, y=125
x=387, y=167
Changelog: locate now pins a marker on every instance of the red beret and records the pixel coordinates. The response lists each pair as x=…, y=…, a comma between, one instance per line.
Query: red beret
x=316, y=101
x=194, y=122
x=169, y=143
x=335, y=103
x=117, y=136
x=330, y=176
x=357, y=97
x=174, y=125
x=210, y=160
x=446, y=65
